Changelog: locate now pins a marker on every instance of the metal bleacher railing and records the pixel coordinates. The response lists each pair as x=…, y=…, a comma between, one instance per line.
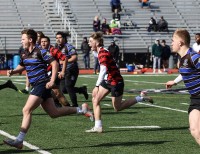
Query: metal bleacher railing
x=66, y=22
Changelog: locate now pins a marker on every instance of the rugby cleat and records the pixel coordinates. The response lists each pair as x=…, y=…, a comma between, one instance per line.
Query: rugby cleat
x=24, y=91
x=87, y=112
x=14, y=143
x=95, y=130
x=11, y=85
x=85, y=93
x=146, y=98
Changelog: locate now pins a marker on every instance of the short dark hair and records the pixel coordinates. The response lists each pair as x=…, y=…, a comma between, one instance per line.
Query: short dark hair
x=46, y=37
x=31, y=34
x=163, y=41
x=63, y=34
x=197, y=34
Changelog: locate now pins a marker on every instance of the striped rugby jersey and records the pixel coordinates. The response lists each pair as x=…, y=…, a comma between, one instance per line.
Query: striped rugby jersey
x=35, y=63
x=68, y=50
x=57, y=54
x=113, y=74
x=190, y=71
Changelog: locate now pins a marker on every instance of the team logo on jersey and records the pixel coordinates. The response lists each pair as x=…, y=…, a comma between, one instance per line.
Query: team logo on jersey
x=34, y=55
x=185, y=63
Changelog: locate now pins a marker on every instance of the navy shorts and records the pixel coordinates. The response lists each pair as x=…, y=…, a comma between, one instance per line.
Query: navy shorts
x=116, y=90
x=194, y=104
x=41, y=91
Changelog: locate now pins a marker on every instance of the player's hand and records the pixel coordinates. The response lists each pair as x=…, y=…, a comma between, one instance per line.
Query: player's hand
x=169, y=84
x=61, y=75
x=49, y=84
x=9, y=73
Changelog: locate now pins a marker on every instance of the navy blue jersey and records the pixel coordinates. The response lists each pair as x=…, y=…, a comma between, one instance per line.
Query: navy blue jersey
x=68, y=50
x=190, y=71
x=35, y=63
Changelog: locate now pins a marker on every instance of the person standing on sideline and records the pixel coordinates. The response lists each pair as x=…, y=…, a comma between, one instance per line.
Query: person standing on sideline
x=109, y=80
x=196, y=45
x=67, y=84
x=114, y=50
x=86, y=53
x=166, y=53
x=35, y=61
x=156, y=54
x=190, y=74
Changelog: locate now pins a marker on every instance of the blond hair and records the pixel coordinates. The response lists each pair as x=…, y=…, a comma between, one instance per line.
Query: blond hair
x=98, y=36
x=184, y=35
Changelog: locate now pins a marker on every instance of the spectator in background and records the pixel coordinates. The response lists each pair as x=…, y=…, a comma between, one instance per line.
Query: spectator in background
x=115, y=4
x=162, y=25
x=114, y=28
x=166, y=52
x=85, y=48
x=156, y=54
x=196, y=45
x=145, y=3
x=105, y=27
x=114, y=50
x=116, y=16
x=152, y=25
x=96, y=24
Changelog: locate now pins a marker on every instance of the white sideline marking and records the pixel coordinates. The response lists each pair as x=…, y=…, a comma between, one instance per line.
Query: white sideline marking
x=107, y=104
x=184, y=103
x=136, y=127
x=30, y=146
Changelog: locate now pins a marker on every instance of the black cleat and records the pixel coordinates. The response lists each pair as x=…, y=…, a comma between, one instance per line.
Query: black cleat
x=14, y=143
x=11, y=85
x=84, y=92
x=24, y=91
x=145, y=97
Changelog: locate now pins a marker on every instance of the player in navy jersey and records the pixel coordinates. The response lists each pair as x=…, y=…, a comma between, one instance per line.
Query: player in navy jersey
x=189, y=69
x=67, y=85
x=109, y=81
x=34, y=61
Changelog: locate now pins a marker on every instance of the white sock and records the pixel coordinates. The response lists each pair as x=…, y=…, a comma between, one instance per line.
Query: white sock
x=98, y=123
x=79, y=110
x=27, y=88
x=21, y=136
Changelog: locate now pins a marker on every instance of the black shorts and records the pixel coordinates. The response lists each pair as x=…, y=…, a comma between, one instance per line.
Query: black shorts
x=116, y=90
x=194, y=104
x=41, y=91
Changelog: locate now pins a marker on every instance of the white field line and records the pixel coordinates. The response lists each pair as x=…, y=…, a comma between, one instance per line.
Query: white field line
x=185, y=103
x=30, y=146
x=136, y=127
x=161, y=107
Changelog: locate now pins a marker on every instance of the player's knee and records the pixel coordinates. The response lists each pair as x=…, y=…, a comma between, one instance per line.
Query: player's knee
x=26, y=111
x=195, y=132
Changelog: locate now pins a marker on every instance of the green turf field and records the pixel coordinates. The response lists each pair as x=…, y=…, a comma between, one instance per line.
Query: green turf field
x=124, y=131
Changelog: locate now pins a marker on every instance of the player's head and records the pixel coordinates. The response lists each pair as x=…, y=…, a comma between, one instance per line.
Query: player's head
x=96, y=40
x=197, y=38
x=61, y=38
x=29, y=37
x=181, y=38
x=45, y=42
x=39, y=36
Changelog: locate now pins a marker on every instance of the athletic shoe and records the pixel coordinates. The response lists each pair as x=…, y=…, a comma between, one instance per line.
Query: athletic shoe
x=24, y=91
x=10, y=84
x=14, y=143
x=146, y=98
x=95, y=130
x=85, y=93
x=87, y=112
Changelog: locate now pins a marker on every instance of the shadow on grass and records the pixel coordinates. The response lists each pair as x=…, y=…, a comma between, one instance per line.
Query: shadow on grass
x=134, y=143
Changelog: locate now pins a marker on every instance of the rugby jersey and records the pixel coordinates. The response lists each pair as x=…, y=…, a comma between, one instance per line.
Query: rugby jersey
x=68, y=50
x=113, y=75
x=57, y=54
x=190, y=71
x=35, y=63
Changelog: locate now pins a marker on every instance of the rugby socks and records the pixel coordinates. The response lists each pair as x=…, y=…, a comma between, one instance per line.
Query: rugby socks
x=98, y=123
x=139, y=99
x=21, y=136
x=27, y=88
x=79, y=110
